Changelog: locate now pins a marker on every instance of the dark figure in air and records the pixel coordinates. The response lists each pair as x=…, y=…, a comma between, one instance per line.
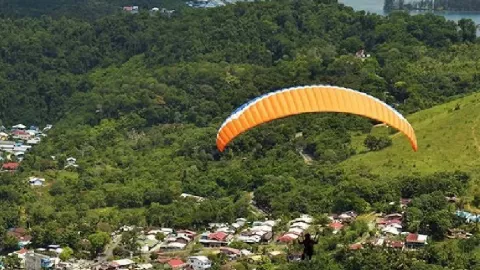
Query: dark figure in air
x=308, y=244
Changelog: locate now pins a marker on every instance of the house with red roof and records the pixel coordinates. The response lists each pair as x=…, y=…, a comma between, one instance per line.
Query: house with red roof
x=10, y=166
x=230, y=251
x=415, y=240
x=215, y=239
x=336, y=226
x=21, y=235
x=395, y=244
x=356, y=246
x=177, y=264
x=21, y=134
x=287, y=238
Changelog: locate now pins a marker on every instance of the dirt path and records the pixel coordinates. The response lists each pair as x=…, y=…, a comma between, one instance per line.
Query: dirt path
x=256, y=211
x=307, y=158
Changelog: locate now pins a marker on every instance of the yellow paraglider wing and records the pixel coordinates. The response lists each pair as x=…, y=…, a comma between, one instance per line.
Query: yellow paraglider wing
x=308, y=99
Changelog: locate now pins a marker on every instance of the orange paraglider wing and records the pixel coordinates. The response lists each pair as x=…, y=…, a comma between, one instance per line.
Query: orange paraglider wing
x=308, y=99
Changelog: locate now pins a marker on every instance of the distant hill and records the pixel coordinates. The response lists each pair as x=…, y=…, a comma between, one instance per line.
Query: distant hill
x=448, y=138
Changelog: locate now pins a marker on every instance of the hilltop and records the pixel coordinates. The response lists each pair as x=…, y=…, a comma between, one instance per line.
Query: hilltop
x=448, y=137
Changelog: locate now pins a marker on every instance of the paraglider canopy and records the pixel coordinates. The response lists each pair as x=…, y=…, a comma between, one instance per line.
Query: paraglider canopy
x=309, y=99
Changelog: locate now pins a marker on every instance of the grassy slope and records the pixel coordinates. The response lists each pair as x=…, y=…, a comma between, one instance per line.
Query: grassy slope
x=448, y=140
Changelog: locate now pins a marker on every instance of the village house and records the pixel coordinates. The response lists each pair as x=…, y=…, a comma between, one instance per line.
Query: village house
x=395, y=244
x=47, y=128
x=7, y=145
x=3, y=136
x=173, y=246
x=71, y=162
x=355, y=246
x=336, y=226
x=196, y=198
x=288, y=238
x=199, y=262
x=21, y=235
x=21, y=135
x=36, y=181
x=303, y=219
x=10, y=166
x=121, y=264
x=131, y=9
x=19, y=127
x=232, y=253
x=415, y=240
x=33, y=141
x=458, y=234
x=176, y=264
x=216, y=239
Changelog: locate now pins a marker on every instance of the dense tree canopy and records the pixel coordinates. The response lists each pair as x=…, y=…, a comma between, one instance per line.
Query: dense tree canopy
x=137, y=99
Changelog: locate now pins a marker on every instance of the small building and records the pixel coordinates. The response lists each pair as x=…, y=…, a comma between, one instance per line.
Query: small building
x=415, y=240
x=231, y=251
x=19, y=127
x=131, y=9
x=34, y=261
x=21, y=135
x=176, y=264
x=199, y=262
x=36, y=181
x=11, y=166
x=173, y=246
x=71, y=162
x=33, y=141
x=336, y=226
x=123, y=263
x=356, y=246
x=287, y=238
x=197, y=198
x=47, y=128
x=395, y=244
x=216, y=239
x=21, y=235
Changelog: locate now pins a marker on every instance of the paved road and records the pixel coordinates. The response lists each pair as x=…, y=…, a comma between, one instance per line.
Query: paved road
x=255, y=208
x=109, y=248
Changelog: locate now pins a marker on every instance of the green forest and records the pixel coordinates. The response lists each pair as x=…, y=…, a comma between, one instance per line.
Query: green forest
x=85, y=10
x=137, y=100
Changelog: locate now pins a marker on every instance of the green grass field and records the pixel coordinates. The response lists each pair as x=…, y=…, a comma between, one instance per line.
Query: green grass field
x=448, y=140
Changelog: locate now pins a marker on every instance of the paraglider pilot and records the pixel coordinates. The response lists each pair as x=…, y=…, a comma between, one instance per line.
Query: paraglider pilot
x=308, y=244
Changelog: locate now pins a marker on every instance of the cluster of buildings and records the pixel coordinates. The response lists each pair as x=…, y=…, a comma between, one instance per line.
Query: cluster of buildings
x=15, y=142
x=260, y=231
x=221, y=234
x=136, y=9
x=391, y=234
x=199, y=262
x=213, y=3
x=36, y=181
x=296, y=228
x=337, y=222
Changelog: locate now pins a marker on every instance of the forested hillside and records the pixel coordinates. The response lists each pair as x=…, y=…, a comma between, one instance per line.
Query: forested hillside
x=88, y=10
x=137, y=99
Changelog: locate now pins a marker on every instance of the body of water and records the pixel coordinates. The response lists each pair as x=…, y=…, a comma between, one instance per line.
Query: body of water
x=376, y=6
